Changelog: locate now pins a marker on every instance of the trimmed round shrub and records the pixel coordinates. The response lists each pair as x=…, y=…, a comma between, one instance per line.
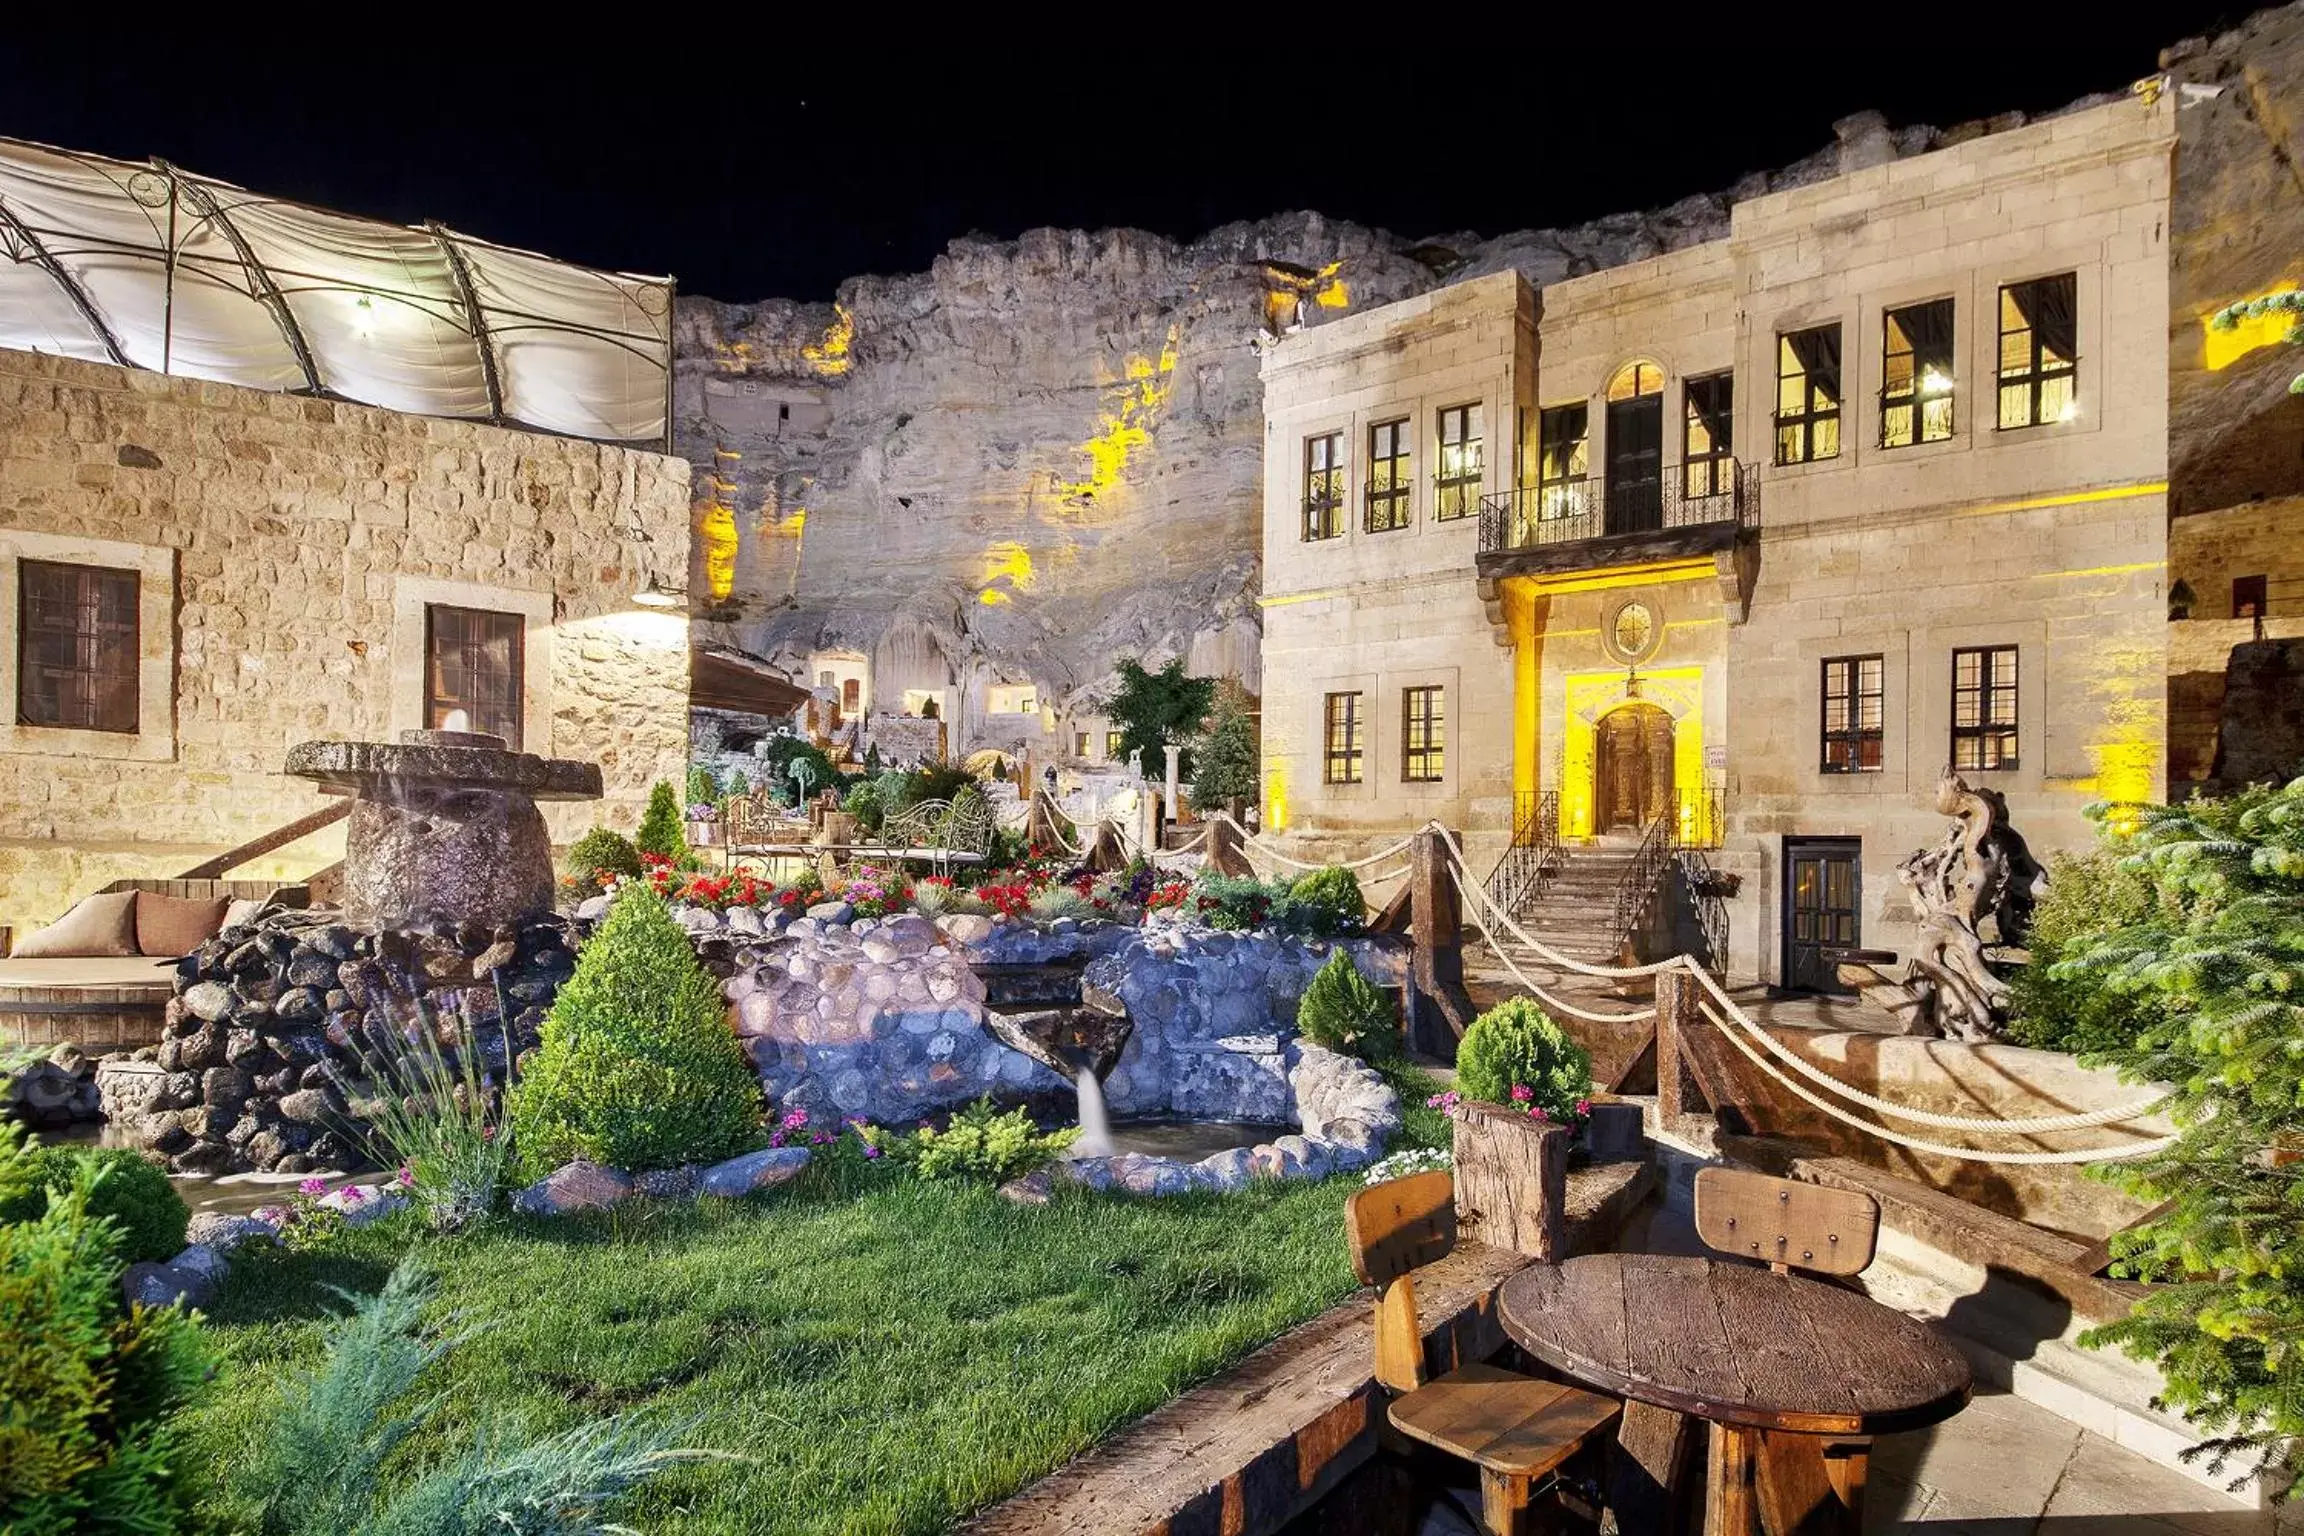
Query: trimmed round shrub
x=638, y=1068
x=1516, y=1045
x=137, y=1195
x=602, y=851
x=1344, y=1011
x=1326, y=902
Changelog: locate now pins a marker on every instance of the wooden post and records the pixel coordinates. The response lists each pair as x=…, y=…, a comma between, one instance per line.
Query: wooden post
x=1224, y=853
x=1675, y=1015
x=1512, y=1181
x=1438, y=1009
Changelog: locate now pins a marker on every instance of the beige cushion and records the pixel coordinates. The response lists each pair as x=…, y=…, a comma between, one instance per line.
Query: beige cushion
x=176, y=925
x=99, y=925
x=242, y=912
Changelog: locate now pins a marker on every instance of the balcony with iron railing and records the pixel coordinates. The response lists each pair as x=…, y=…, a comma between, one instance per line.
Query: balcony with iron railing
x=1577, y=524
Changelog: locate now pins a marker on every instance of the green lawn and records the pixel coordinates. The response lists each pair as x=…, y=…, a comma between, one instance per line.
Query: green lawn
x=888, y=1359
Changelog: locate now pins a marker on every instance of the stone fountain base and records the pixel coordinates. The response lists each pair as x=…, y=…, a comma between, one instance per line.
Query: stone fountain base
x=257, y=1068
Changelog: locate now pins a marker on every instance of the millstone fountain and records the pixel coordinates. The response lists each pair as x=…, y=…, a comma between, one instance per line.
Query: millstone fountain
x=446, y=924
x=1071, y=1026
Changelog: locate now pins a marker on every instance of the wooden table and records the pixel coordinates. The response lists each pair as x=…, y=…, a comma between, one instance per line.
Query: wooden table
x=1794, y=1376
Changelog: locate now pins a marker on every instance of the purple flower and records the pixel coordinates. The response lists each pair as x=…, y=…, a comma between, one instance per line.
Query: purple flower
x=406, y=1177
x=776, y=1138
x=314, y=1186
x=870, y=1151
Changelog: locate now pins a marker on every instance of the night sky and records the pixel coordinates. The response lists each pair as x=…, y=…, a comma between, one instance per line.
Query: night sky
x=717, y=166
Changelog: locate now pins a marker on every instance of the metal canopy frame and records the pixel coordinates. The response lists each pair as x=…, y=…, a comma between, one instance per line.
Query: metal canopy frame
x=208, y=204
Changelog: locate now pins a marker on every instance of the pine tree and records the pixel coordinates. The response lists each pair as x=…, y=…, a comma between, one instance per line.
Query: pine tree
x=1224, y=767
x=2218, y=962
x=661, y=832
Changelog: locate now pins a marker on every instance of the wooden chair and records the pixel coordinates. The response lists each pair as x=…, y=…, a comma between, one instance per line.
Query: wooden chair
x=1790, y=1225
x=1516, y=1429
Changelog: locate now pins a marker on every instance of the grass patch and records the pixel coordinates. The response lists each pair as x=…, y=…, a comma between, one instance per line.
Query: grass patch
x=889, y=1355
x=1423, y=1126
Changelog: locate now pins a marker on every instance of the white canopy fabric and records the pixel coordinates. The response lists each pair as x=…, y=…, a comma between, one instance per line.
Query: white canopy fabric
x=149, y=266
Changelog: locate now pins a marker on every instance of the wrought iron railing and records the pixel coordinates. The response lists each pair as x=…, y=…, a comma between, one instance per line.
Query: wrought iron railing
x=1696, y=821
x=1537, y=517
x=1703, y=819
x=1707, y=890
x=1534, y=856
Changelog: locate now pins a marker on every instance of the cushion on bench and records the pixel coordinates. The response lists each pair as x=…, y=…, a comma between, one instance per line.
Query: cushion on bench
x=99, y=925
x=94, y=973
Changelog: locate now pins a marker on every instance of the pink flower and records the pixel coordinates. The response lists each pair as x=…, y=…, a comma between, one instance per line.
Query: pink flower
x=1522, y=1093
x=487, y=1133
x=1583, y=1109
x=796, y=1120
x=406, y=1177
x=1536, y=1112
x=314, y=1186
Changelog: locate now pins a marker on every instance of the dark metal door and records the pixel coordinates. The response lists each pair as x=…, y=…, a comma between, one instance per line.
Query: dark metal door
x=1823, y=887
x=1635, y=476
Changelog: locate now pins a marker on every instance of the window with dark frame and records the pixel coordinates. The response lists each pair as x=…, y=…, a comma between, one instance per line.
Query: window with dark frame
x=1079, y=743
x=1916, y=374
x=1423, y=735
x=1340, y=753
x=1389, y=488
x=2039, y=351
x=1808, y=395
x=1112, y=746
x=1708, y=435
x=2248, y=597
x=1563, y=460
x=1461, y=463
x=1984, y=707
x=1854, y=723
x=1324, y=486
x=77, y=643
x=475, y=660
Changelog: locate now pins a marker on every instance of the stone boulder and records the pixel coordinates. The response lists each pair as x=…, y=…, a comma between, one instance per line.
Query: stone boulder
x=753, y=1172
x=575, y=1186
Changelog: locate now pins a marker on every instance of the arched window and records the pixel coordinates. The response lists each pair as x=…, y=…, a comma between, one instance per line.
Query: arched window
x=1634, y=380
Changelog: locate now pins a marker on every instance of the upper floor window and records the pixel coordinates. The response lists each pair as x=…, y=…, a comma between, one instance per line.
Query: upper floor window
x=1563, y=459
x=1340, y=747
x=1423, y=733
x=1323, y=486
x=1808, y=395
x=1461, y=463
x=77, y=643
x=1079, y=743
x=1112, y=746
x=2039, y=354
x=2249, y=594
x=1634, y=380
x=852, y=695
x=1984, y=707
x=1708, y=435
x=1012, y=699
x=1388, y=482
x=475, y=661
x=1916, y=374
x=1854, y=726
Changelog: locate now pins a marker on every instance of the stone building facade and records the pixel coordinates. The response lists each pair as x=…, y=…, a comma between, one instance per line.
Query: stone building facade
x=276, y=563
x=1757, y=535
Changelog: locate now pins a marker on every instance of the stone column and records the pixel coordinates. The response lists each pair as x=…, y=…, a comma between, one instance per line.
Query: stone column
x=1175, y=753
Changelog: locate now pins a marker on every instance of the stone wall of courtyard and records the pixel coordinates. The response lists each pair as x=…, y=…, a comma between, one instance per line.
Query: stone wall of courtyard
x=286, y=549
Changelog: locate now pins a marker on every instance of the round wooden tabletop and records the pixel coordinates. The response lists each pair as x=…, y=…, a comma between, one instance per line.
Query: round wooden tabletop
x=1734, y=1344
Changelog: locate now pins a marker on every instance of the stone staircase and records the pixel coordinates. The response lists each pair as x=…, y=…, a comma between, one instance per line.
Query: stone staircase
x=1575, y=910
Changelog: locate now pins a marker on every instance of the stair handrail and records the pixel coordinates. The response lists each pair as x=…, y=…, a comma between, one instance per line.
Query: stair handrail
x=1637, y=886
x=1533, y=856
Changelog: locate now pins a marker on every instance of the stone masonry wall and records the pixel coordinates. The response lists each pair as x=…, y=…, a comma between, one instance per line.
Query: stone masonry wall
x=287, y=547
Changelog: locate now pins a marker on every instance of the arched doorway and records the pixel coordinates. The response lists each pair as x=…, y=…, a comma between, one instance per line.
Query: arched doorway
x=1631, y=767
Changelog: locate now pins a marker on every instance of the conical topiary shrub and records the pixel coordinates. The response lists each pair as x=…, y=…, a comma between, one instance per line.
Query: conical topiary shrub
x=638, y=1068
x=1344, y=1011
x=661, y=832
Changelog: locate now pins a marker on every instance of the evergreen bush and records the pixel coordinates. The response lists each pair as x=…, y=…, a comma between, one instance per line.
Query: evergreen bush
x=1152, y=709
x=940, y=781
x=703, y=786
x=1344, y=1011
x=979, y=1143
x=87, y=1392
x=638, y=1068
x=601, y=851
x=1224, y=756
x=1325, y=903
x=1233, y=903
x=1516, y=1045
x=2216, y=968
x=137, y=1196
x=737, y=786
x=863, y=803
x=2057, y=1008
x=661, y=832
x=782, y=752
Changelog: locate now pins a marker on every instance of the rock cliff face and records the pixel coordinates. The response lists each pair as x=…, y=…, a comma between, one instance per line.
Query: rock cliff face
x=1045, y=454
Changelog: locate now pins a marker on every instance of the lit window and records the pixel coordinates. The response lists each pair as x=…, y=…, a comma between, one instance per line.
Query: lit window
x=1423, y=733
x=2039, y=332
x=1708, y=435
x=1461, y=463
x=1808, y=395
x=1916, y=376
x=1388, y=482
x=1079, y=743
x=475, y=661
x=1012, y=699
x=1984, y=707
x=1853, y=715
x=1563, y=461
x=1112, y=746
x=1634, y=380
x=77, y=641
x=1323, y=486
x=1340, y=739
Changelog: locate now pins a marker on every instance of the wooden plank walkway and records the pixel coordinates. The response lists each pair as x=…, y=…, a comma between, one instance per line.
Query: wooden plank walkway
x=1245, y=1453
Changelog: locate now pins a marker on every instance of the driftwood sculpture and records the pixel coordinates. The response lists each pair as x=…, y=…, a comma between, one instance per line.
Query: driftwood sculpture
x=1980, y=877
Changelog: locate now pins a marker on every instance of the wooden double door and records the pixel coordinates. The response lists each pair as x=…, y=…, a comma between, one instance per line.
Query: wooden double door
x=1632, y=768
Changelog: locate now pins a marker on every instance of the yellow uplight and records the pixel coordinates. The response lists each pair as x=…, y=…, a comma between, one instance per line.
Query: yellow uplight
x=1275, y=800
x=2223, y=348
x=1139, y=397
x=716, y=532
x=829, y=357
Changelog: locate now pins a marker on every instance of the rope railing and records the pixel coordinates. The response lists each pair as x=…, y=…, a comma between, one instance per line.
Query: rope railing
x=1544, y=952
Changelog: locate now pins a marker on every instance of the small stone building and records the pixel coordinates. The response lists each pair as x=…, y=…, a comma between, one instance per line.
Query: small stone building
x=210, y=552
x=1750, y=539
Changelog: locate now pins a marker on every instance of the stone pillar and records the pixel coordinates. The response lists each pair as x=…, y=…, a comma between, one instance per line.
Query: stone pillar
x=1175, y=755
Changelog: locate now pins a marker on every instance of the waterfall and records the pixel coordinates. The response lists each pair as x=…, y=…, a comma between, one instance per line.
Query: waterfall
x=1095, y=1124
